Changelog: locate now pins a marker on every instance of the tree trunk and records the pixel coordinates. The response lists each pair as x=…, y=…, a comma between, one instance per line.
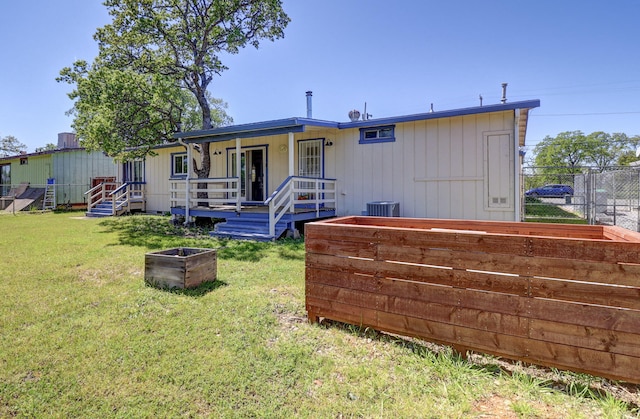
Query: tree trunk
x=205, y=157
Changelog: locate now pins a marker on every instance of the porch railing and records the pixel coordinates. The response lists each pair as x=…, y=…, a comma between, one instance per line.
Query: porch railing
x=120, y=195
x=310, y=193
x=126, y=195
x=99, y=194
x=220, y=191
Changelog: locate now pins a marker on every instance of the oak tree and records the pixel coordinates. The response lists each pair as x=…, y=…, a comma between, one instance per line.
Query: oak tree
x=153, y=57
x=570, y=151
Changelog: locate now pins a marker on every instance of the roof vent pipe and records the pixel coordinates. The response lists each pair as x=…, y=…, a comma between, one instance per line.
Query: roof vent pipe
x=309, y=113
x=504, y=93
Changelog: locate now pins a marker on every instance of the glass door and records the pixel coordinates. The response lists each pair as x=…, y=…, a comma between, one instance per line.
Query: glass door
x=253, y=169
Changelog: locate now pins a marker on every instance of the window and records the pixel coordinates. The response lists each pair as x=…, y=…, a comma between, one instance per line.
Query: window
x=133, y=171
x=23, y=161
x=377, y=134
x=179, y=165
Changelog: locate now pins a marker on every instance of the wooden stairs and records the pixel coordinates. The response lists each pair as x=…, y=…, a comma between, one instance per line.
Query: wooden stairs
x=105, y=209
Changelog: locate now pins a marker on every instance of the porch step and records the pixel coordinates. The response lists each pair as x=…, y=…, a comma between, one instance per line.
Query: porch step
x=104, y=209
x=248, y=228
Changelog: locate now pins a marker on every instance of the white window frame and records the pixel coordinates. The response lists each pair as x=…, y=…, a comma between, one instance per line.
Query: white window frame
x=175, y=162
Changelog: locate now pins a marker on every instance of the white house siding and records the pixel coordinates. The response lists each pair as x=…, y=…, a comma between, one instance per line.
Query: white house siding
x=157, y=175
x=277, y=159
x=277, y=149
x=435, y=168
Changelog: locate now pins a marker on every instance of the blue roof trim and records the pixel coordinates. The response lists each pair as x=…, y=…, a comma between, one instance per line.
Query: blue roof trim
x=442, y=114
x=256, y=129
x=283, y=126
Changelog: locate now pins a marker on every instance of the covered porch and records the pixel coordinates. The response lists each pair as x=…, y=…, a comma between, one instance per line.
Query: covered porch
x=298, y=199
x=249, y=198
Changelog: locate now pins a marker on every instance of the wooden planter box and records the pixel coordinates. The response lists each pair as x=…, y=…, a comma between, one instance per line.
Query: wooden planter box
x=563, y=296
x=182, y=267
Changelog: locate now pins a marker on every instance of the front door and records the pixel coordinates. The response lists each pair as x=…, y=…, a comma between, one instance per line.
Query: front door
x=253, y=169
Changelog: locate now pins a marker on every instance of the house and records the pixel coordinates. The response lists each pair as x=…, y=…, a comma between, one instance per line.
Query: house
x=67, y=172
x=457, y=164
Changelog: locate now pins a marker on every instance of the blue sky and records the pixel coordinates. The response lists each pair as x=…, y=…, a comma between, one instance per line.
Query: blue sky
x=579, y=58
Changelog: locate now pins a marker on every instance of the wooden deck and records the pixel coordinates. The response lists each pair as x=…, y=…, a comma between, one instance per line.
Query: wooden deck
x=252, y=221
x=563, y=296
x=226, y=211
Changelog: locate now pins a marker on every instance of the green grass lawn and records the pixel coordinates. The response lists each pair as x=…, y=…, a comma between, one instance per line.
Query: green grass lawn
x=83, y=336
x=538, y=211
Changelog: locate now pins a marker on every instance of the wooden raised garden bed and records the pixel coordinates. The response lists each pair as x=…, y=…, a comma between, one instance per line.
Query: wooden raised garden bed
x=564, y=296
x=182, y=267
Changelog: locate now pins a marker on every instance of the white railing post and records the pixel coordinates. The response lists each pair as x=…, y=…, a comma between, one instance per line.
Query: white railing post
x=187, y=189
x=317, y=195
x=272, y=218
x=239, y=171
x=291, y=155
x=113, y=205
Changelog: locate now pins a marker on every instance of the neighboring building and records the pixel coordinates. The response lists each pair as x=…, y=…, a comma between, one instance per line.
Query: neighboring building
x=460, y=163
x=74, y=171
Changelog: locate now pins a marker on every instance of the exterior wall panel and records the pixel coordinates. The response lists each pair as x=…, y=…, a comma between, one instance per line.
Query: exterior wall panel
x=74, y=169
x=157, y=176
x=440, y=162
x=36, y=171
x=434, y=168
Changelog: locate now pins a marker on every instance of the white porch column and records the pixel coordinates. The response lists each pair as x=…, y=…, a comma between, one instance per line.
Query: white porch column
x=238, y=171
x=187, y=187
x=291, y=160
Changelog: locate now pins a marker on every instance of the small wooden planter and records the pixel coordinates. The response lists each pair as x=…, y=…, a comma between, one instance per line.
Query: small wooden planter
x=182, y=267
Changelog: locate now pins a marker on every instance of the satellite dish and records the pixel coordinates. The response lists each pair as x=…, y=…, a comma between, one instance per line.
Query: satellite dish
x=638, y=152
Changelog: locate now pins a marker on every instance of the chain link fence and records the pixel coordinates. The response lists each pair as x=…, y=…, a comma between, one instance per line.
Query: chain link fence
x=582, y=195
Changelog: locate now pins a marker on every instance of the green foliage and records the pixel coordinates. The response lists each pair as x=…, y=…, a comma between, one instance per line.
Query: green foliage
x=565, y=150
x=122, y=112
x=10, y=146
x=47, y=147
x=156, y=60
x=569, y=151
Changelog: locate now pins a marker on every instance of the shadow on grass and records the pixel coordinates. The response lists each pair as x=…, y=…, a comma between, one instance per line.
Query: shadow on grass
x=158, y=233
x=199, y=291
